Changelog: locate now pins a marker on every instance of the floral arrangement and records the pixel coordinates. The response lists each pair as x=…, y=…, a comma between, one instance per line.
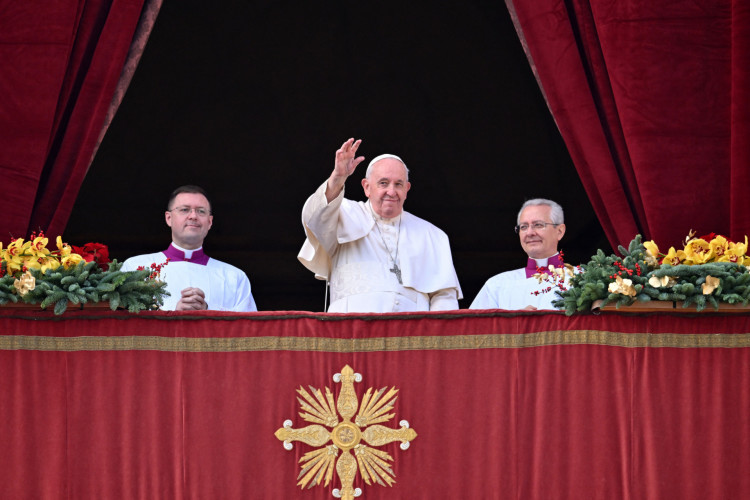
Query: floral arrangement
x=706, y=271
x=556, y=276
x=704, y=250
x=32, y=273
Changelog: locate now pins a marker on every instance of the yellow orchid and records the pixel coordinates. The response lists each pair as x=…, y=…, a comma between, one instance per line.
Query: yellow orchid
x=38, y=246
x=710, y=285
x=622, y=286
x=719, y=246
x=674, y=257
x=13, y=266
x=71, y=260
x=17, y=247
x=63, y=248
x=652, y=253
x=31, y=263
x=731, y=256
x=36, y=255
x=739, y=248
x=651, y=248
x=735, y=252
x=698, y=251
x=14, y=255
x=44, y=263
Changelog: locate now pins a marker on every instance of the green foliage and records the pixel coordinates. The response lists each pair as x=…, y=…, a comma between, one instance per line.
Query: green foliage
x=86, y=283
x=686, y=284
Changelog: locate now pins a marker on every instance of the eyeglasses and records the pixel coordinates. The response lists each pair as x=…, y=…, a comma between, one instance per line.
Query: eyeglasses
x=537, y=226
x=199, y=211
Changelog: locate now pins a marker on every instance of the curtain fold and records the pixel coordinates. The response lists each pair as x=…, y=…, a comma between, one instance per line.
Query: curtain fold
x=65, y=69
x=651, y=100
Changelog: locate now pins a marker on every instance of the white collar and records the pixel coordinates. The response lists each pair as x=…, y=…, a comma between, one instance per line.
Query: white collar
x=188, y=253
x=545, y=261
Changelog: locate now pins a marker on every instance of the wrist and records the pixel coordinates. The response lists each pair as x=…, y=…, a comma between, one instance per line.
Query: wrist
x=333, y=189
x=336, y=182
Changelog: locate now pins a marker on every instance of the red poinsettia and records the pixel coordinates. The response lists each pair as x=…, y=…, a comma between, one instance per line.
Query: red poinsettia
x=95, y=252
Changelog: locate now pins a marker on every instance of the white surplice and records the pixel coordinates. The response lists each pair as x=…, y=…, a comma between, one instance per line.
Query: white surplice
x=512, y=290
x=346, y=245
x=226, y=287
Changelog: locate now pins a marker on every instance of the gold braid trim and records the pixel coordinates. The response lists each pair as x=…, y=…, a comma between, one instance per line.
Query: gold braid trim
x=324, y=344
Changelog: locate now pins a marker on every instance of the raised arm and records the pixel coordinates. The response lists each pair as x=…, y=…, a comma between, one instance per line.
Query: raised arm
x=320, y=214
x=343, y=167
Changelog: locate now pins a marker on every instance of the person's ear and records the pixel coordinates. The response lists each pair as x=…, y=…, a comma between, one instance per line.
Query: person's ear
x=560, y=231
x=366, y=186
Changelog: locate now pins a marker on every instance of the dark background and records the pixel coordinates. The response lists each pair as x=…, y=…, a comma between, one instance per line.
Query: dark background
x=251, y=99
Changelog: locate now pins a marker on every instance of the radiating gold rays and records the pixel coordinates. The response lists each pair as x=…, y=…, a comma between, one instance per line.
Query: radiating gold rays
x=320, y=409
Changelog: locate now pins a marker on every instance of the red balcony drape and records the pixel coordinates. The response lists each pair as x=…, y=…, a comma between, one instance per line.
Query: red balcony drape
x=505, y=405
x=652, y=100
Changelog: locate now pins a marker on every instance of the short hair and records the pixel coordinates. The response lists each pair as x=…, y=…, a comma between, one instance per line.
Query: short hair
x=555, y=210
x=188, y=188
x=383, y=157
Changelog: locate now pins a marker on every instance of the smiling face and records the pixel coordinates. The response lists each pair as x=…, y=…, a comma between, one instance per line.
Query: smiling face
x=189, y=230
x=542, y=243
x=386, y=187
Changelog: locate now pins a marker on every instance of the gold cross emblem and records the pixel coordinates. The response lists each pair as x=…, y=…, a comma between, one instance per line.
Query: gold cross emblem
x=345, y=436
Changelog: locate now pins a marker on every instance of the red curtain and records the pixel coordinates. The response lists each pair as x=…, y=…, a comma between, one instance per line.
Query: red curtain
x=528, y=405
x=61, y=82
x=652, y=101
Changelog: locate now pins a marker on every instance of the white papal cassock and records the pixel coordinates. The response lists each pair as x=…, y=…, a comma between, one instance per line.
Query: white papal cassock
x=345, y=245
x=226, y=287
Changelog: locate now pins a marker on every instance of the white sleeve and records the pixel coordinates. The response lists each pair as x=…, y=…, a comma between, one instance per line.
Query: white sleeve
x=484, y=299
x=444, y=300
x=320, y=220
x=245, y=301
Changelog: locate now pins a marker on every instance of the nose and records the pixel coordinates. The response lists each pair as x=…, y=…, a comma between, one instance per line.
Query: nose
x=530, y=234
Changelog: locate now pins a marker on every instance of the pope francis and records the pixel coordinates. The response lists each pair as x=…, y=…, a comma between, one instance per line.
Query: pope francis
x=377, y=257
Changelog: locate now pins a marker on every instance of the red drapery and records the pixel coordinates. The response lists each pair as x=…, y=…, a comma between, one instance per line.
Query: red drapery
x=65, y=67
x=170, y=405
x=652, y=100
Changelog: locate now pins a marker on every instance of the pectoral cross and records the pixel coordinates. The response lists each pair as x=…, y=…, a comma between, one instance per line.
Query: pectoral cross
x=397, y=271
